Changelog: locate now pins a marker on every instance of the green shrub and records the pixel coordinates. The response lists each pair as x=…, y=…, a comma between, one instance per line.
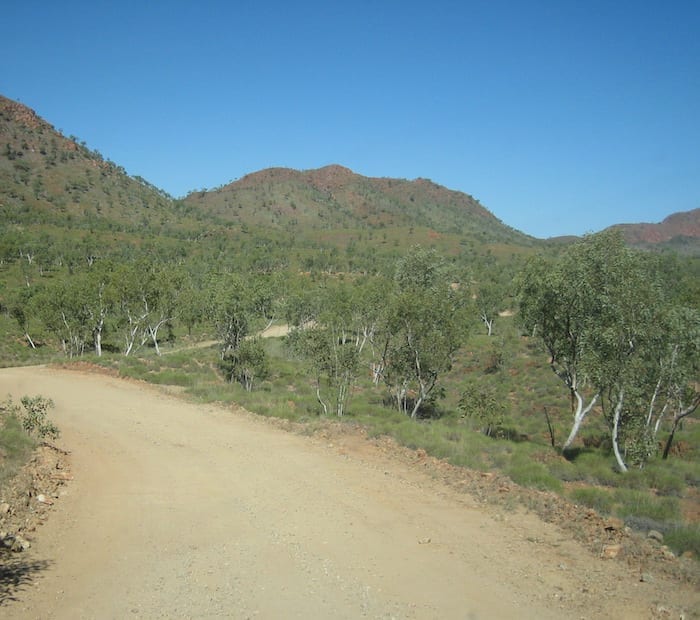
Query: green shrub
x=666, y=480
x=594, y=497
x=172, y=377
x=566, y=471
x=682, y=538
x=15, y=444
x=20, y=427
x=530, y=473
x=34, y=420
x=596, y=468
x=641, y=504
x=32, y=416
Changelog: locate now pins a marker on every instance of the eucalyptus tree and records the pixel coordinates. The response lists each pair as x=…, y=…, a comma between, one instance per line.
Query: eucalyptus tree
x=236, y=303
x=191, y=305
x=673, y=364
x=334, y=364
x=129, y=285
x=302, y=304
x=369, y=319
x=480, y=402
x=601, y=314
x=146, y=297
x=564, y=303
x=490, y=293
x=163, y=287
x=328, y=336
x=229, y=311
x=247, y=364
x=98, y=299
x=267, y=293
x=63, y=309
x=424, y=327
x=22, y=309
x=618, y=343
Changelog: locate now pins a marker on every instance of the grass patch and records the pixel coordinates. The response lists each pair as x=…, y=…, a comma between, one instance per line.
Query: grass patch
x=682, y=538
x=15, y=446
x=172, y=377
x=599, y=499
x=596, y=468
x=663, y=476
x=633, y=503
x=527, y=472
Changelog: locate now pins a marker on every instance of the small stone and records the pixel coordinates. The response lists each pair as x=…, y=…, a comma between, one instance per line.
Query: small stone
x=667, y=553
x=42, y=499
x=614, y=525
x=655, y=535
x=611, y=551
x=424, y=541
x=646, y=578
x=20, y=544
x=4, y=508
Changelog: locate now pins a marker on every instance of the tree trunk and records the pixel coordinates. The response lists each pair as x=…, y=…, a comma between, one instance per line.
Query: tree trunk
x=549, y=427
x=97, y=338
x=340, y=403
x=154, y=337
x=488, y=322
x=320, y=400
x=98, y=342
x=669, y=441
x=616, y=428
x=579, y=415
x=683, y=413
x=416, y=407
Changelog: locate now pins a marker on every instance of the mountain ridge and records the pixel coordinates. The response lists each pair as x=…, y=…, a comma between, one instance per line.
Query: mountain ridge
x=47, y=177
x=679, y=226
x=314, y=197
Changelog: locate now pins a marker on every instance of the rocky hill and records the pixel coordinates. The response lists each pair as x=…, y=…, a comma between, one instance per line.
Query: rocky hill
x=334, y=197
x=679, y=231
x=49, y=179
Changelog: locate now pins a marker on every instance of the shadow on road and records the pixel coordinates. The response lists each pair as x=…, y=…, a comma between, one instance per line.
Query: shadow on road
x=16, y=574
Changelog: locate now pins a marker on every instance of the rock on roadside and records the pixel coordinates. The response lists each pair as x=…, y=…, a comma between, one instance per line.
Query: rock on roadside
x=27, y=498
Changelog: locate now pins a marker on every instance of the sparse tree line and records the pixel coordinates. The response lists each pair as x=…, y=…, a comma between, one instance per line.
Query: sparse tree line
x=618, y=336
x=132, y=302
x=402, y=331
x=623, y=338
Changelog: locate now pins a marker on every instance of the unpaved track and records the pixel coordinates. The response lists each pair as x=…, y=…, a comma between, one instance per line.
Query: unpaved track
x=187, y=511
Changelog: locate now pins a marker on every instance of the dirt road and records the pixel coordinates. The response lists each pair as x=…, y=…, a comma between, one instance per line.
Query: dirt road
x=188, y=511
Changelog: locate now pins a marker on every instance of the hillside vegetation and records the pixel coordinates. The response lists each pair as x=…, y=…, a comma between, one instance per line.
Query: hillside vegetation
x=335, y=197
x=412, y=310
x=679, y=232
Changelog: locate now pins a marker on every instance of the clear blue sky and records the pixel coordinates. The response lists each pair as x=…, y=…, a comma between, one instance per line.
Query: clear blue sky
x=562, y=117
